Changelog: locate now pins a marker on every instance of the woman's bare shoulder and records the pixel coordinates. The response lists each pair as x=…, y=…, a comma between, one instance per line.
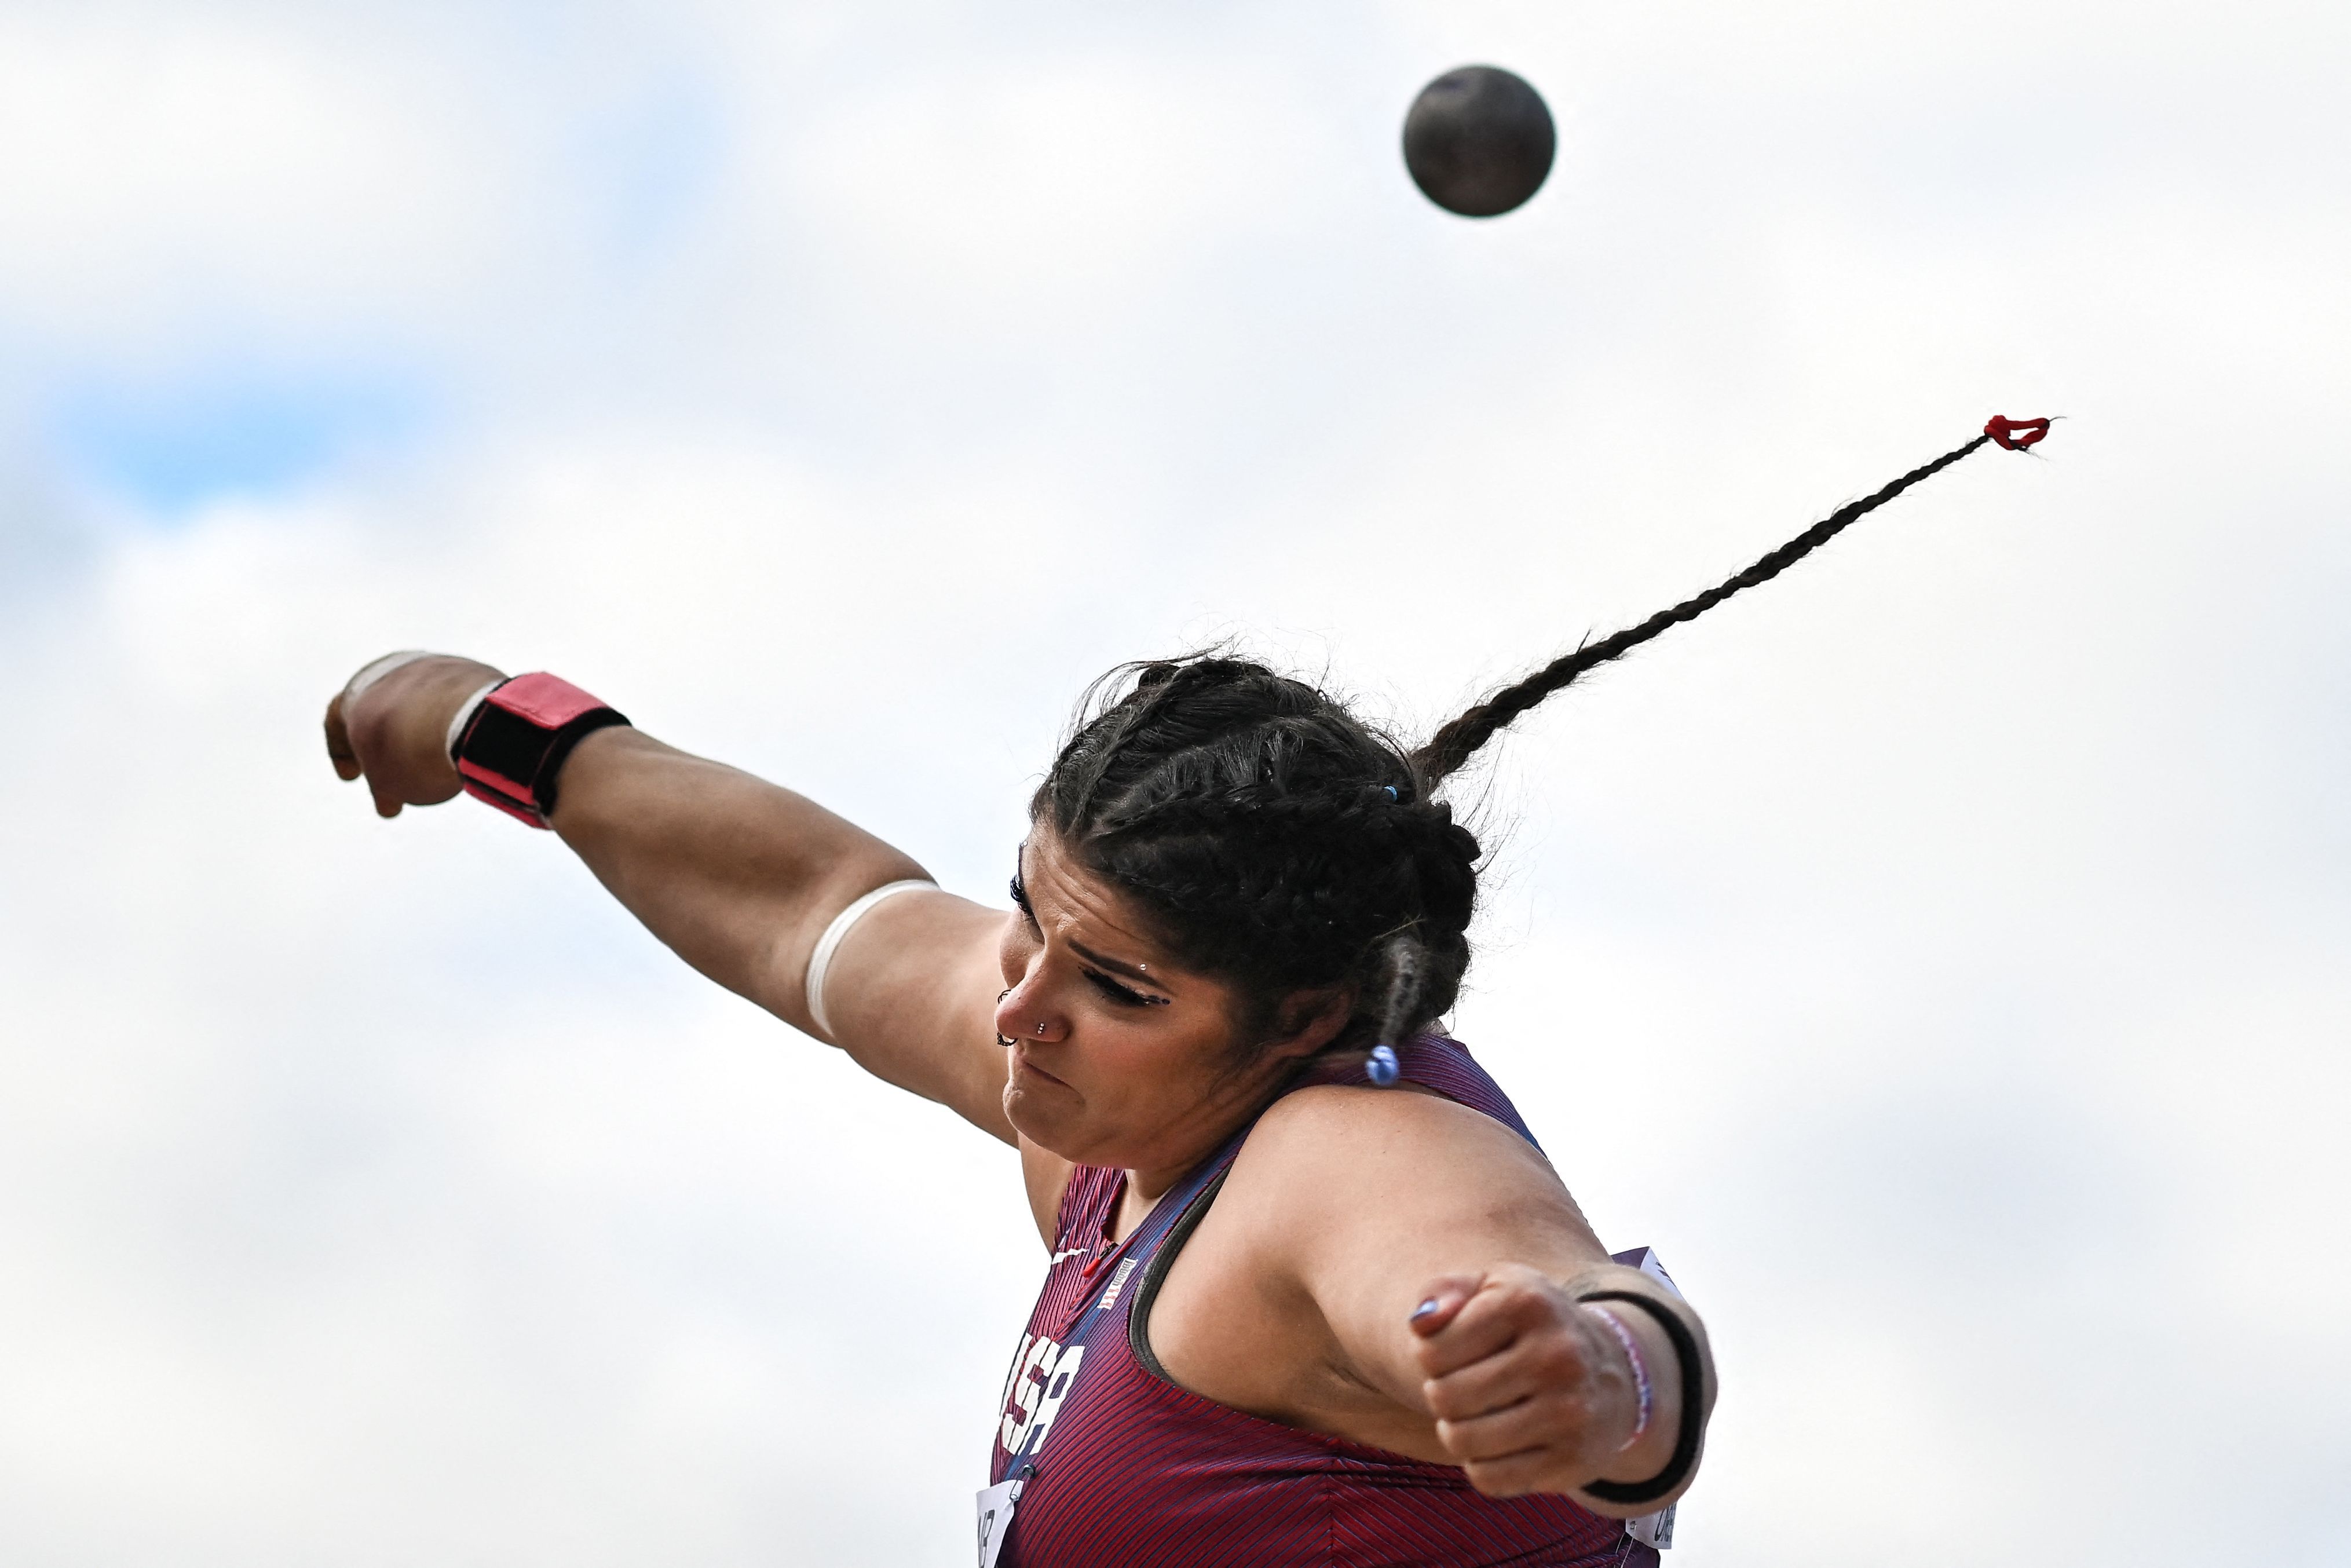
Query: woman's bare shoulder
x=1344, y=1196
x=1344, y=1144
x=1325, y=1113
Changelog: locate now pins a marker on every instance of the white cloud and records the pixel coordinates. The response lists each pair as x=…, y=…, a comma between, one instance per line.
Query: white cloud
x=155, y=171
x=1934, y=955
x=1046, y=191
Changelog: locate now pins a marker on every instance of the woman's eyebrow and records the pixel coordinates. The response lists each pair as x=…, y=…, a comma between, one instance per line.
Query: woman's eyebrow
x=1132, y=971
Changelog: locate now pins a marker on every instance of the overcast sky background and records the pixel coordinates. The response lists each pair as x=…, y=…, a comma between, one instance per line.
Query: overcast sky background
x=1939, y=956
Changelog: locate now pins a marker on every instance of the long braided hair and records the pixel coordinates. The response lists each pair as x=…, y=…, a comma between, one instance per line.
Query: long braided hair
x=1280, y=844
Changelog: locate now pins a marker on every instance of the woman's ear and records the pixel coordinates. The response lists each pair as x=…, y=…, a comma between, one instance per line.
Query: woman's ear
x=1309, y=1021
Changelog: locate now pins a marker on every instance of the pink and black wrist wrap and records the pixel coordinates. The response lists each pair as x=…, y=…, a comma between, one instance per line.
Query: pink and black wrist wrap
x=518, y=738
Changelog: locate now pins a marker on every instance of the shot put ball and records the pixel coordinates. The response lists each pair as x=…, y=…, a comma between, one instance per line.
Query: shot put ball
x=1479, y=142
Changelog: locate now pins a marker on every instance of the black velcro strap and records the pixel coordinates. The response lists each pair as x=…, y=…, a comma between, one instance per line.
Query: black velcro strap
x=506, y=744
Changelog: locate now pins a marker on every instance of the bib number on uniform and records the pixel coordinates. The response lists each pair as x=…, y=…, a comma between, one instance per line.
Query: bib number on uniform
x=996, y=1504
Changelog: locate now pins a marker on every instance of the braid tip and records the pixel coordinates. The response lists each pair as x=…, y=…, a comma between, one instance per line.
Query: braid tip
x=1383, y=1069
x=2016, y=434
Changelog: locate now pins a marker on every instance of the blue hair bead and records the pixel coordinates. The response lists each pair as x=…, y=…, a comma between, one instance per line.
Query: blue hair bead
x=1383, y=1069
x=1392, y=793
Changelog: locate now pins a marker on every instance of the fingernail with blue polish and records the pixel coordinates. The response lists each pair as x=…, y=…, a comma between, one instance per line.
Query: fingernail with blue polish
x=1423, y=1310
x=1383, y=1068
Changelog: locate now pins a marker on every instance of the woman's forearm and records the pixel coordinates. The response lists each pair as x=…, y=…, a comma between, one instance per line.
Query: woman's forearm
x=737, y=876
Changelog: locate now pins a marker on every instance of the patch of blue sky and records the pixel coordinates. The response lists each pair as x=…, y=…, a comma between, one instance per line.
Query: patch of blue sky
x=173, y=447
x=651, y=169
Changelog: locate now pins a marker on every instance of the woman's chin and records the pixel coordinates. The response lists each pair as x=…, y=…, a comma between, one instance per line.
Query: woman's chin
x=1041, y=1113
x=1030, y=1118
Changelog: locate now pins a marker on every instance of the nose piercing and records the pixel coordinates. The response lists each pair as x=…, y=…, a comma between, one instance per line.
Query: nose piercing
x=1005, y=1040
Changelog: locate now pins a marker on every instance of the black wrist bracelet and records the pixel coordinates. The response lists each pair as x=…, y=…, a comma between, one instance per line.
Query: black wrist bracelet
x=1686, y=1441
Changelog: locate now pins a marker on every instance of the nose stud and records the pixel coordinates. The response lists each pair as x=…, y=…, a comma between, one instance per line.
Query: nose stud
x=1005, y=1040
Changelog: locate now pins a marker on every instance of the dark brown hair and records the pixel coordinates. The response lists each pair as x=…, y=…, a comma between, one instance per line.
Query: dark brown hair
x=1280, y=842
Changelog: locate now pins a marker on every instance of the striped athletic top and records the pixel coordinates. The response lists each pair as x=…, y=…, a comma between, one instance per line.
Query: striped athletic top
x=1121, y=1467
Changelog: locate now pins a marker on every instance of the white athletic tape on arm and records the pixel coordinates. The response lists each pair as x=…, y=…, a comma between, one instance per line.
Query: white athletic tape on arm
x=375, y=671
x=830, y=942
x=465, y=713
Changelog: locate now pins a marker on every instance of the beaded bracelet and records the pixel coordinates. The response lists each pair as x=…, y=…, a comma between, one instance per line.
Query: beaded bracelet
x=1688, y=1356
x=1645, y=1389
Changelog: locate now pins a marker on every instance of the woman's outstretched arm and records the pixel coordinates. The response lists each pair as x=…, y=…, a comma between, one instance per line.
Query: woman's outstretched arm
x=1432, y=1260
x=739, y=876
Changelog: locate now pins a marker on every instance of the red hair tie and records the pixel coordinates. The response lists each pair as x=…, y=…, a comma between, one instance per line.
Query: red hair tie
x=2016, y=434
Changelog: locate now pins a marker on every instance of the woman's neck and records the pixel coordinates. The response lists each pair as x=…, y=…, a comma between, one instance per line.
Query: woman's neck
x=1146, y=1186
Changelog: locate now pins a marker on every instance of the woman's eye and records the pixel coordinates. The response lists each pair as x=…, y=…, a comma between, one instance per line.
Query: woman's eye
x=1121, y=995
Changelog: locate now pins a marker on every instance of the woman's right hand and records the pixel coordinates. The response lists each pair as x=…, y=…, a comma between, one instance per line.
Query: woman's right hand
x=395, y=732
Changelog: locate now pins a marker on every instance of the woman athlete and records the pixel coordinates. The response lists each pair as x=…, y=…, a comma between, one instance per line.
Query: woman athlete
x=1315, y=1296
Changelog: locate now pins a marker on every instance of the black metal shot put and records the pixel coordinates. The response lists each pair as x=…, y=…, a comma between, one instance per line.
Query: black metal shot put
x=1479, y=142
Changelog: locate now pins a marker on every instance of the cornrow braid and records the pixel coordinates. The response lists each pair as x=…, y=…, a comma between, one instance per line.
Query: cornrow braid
x=1278, y=841
x=1403, y=1008
x=1459, y=741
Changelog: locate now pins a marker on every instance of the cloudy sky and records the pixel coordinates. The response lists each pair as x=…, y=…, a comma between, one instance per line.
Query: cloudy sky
x=1940, y=956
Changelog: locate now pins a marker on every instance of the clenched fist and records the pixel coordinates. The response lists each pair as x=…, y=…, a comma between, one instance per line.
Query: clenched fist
x=1532, y=1391
x=392, y=728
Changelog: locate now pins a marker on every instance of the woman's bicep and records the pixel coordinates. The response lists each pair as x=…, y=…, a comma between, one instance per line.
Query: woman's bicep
x=1392, y=1192
x=910, y=994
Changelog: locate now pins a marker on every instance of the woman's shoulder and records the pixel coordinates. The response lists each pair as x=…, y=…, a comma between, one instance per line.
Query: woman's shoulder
x=1346, y=1140
x=1337, y=1118
x=1334, y=1173
x=1432, y=1065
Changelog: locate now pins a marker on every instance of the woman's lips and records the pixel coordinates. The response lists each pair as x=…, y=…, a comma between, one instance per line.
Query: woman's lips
x=1022, y=1062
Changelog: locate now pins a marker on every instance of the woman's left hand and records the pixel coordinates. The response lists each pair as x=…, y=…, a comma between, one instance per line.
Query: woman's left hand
x=1532, y=1392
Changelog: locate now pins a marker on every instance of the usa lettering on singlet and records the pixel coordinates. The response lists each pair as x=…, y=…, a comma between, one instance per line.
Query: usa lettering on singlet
x=1101, y=1460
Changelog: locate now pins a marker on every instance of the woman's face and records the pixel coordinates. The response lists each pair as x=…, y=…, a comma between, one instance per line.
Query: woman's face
x=1119, y=1057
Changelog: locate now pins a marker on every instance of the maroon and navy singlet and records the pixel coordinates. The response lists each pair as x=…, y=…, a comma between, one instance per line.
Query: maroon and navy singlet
x=1120, y=1467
